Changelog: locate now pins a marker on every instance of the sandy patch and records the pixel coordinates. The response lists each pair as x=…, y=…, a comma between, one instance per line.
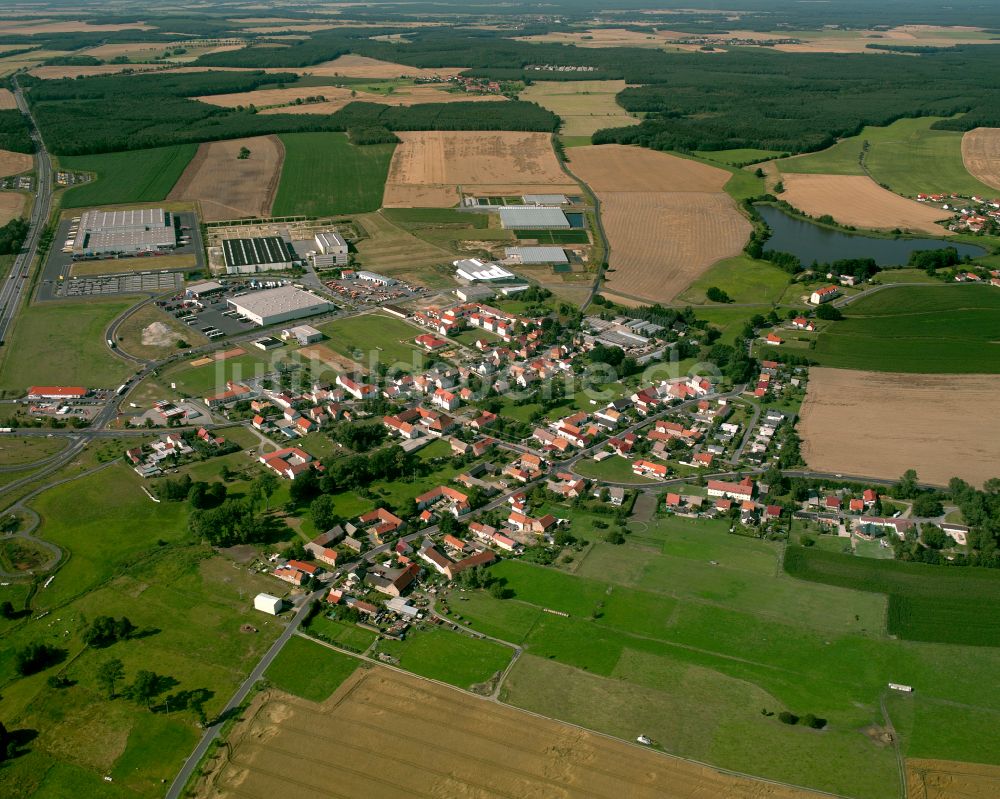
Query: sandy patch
x=946, y=779
x=12, y=163
x=227, y=187
x=981, y=154
x=584, y=106
x=428, y=167
x=219, y=356
x=667, y=218
x=383, y=720
x=859, y=201
x=11, y=206
x=879, y=425
x=7, y=100
x=159, y=335
x=336, y=361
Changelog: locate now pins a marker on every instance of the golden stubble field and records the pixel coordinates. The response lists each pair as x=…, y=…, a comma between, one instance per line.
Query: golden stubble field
x=946, y=779
x=12, y=163
x=11, y=205
x=584, y=106
x=879, y=425
x=429, y=169
x=227, y=187
x=358, y=66
x=388, y=735
x=7, y=101
x=667, y=218
x=981, y=154
x=859, y=201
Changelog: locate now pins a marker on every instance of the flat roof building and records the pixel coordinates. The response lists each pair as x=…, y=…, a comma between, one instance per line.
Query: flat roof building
x=264, y=254
x=537, y=255
x=373, y=277
x=331, y=249
x=279, y=305
x=206, y=289
x=477, y=271
x=531, y=217
x=124, y=232
x=545, y=199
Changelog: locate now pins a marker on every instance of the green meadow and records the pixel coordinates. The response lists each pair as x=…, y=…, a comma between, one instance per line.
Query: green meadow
x=309, y=670
x=944, y=329
x=443, y=655
x=135, y=176
x=744, y=279
x=324, y=174
x=374, y=336
x=697, y=638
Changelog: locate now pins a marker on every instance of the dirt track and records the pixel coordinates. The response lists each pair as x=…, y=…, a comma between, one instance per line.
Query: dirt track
x=667, y=218
x=879, y=425
x=981, y=154
x=227, y=187
x=859, y=201
x=387, y=735
x=428, y=167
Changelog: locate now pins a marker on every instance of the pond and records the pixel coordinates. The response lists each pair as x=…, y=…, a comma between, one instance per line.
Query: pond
x=811, y=242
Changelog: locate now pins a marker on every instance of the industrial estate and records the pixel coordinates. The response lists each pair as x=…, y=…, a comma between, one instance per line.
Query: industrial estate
x=405, y=401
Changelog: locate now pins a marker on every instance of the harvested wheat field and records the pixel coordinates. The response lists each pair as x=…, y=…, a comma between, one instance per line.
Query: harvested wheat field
x=667, y=218
x=29, y=28
x=981, y=154
x=359, y=66
x=7, y=101
x=398, y=736
x=408, y=95
x=261, y=98
x=946, y=779
x=899, y=422
x=228, y=187
x=11, y=206
x=584, y=106
x=12, y=163
x=428, y=167
x=859, y=201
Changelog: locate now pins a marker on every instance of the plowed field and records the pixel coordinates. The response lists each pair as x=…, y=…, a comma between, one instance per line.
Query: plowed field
x=396, y=736
x=981, y=154
x=227, y=187
x=667, y=218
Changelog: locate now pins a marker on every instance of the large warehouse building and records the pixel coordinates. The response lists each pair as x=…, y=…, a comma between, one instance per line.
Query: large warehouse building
x=537, y=255
x=532, y=217
x=127, y=232
x=332, y=249
x=264, y=254
x=279, y=305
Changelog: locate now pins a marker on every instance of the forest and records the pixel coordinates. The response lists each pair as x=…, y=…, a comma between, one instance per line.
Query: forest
x=14, y=133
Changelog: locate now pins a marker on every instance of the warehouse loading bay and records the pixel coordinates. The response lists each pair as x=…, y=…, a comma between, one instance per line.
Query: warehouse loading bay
x=58, y=283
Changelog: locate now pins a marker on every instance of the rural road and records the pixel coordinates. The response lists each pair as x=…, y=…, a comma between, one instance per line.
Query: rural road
x=13, y=289
x=212, y=731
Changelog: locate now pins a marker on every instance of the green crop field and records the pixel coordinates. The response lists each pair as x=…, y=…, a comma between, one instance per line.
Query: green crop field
x=907, y=156
x=198, y=381
x=375, y=337
x=738, y=156
x=435, y=217
x=945, y=329
x=309, y=669
x=686, y=634
x=136, y=176
x=349, y=636
x=926, y=603
x=448, y=656
x=743, y=279
x=323, y=173
x=63, y=343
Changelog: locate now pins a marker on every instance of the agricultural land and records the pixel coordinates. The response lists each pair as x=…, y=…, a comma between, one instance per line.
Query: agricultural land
x=981, y=155
x=136, y=176
x=584, y=106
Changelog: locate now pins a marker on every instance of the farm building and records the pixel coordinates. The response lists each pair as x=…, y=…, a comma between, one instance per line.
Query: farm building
x=477, y=271
x=247, y=256
x=520, y=217
x=378, y=280
x=279, y=305
x=537, y=255
x=58, y=392
x=331, y=248
x=126, y=232
x=268, y=604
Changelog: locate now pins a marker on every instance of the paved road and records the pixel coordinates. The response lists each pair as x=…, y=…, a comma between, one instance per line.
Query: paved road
x=13, y=289
x=212, y=731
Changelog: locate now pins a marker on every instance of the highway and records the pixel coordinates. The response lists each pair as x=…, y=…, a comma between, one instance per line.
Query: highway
x=12, y=291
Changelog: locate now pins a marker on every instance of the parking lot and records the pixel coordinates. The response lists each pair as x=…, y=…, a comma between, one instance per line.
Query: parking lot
x=58, y=282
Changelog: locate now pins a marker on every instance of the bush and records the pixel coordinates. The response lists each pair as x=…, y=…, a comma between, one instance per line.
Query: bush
x=829, y=312
x=814, y=722
x=36, y=657
x=715, y=294
x=788, y=718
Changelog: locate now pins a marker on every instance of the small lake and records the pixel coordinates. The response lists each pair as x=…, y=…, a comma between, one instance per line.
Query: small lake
x=811, y=242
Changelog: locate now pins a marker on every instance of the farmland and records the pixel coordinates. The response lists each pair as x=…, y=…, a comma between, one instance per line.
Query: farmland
x=136, y=176
x=226, y=186
x=429, y=167
x=375, y=337
x=40, y=352
x=882, y=411
x=325, y=174
x=858, y=201
x=743, y=279
x=11, y=205
x=907, y=156
x=480, y=748
x=584, y=106
x=309, y=670
x=981, y=155
x=357, y=66
x=667, y=218
x=12, y=163
x=442, y=655
x=686, y=632
x=939, y=329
